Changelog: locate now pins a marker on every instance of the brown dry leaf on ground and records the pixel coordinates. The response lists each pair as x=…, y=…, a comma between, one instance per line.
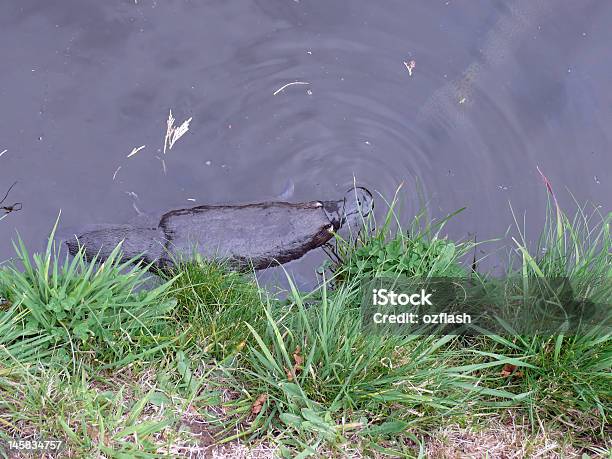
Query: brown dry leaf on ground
x=258, y=405
x=508, y=370
x=299, y=361
x=297, y=357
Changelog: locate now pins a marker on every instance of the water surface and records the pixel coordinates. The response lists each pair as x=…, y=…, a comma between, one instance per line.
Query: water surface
x=498, y=88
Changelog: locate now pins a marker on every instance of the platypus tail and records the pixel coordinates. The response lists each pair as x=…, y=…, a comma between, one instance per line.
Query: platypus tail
x=147, y=244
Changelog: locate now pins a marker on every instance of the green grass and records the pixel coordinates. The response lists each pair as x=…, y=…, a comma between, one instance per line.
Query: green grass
x=214, y=306
x=569, y=378
x=99, y=312
x=323, y=379
x=89, y=419
x=387, y=249
x=118, y=365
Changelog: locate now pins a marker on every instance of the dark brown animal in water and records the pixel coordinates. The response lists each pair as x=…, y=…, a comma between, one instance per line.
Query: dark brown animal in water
x=258, y=235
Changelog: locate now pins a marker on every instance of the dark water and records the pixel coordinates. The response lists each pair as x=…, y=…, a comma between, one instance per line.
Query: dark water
x=499, y=87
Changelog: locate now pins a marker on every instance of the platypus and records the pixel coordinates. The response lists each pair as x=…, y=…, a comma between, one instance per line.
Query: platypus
x=256, y=235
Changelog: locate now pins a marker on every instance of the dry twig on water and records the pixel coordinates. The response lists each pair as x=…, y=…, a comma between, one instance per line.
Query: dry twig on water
x=282, y=88
x=8, y=209
x=174, y=133
x=410, y=66
x=135, y=150
x=163, y=164
x=115, y=174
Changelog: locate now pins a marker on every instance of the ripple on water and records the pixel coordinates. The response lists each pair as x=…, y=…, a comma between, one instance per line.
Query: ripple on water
x=490, y=98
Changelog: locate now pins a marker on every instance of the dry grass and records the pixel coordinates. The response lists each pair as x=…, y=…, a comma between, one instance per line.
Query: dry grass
x=498, y=440
x=240, y=451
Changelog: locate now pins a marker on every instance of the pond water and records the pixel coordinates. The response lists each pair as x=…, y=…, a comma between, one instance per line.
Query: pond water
x=494, y=89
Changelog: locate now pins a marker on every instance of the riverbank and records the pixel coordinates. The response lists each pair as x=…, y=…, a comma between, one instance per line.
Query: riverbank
x=209, y=364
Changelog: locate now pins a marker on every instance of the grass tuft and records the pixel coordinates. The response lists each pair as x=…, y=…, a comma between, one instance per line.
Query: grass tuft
x=388, y=249
x=216, y=305
x=90, y=310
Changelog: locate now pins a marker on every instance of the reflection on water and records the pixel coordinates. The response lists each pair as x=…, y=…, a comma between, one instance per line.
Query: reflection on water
x=497, y=88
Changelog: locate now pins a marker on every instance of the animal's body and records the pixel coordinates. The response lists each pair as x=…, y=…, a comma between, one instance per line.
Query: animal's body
x=258, y=235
